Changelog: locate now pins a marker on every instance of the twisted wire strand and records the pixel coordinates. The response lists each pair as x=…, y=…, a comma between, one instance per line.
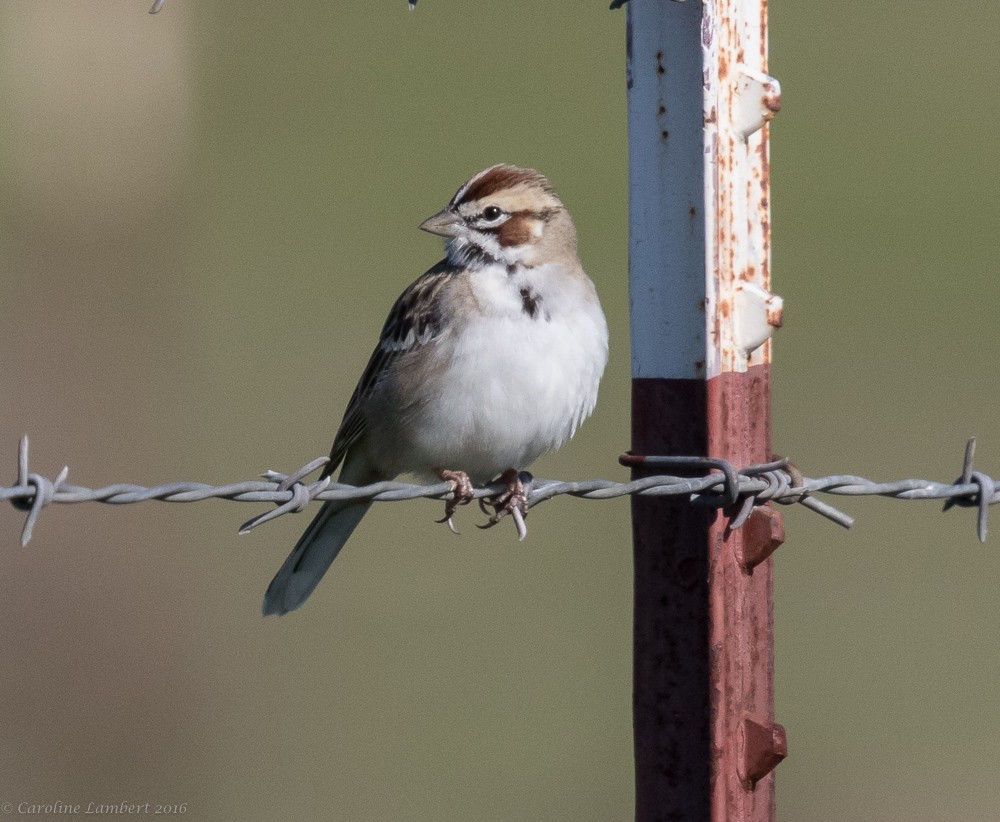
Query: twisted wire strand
x=720, y=485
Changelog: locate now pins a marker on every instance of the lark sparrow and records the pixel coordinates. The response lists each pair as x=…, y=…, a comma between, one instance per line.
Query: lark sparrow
x=487, y=361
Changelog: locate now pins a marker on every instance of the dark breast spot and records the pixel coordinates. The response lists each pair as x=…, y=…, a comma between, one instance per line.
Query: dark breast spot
x=531, y=304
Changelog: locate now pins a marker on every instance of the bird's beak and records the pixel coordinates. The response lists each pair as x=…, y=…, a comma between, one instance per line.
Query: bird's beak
x=445, y=223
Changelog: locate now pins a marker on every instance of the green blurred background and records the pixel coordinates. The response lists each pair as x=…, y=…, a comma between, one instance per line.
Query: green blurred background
x=204, y=218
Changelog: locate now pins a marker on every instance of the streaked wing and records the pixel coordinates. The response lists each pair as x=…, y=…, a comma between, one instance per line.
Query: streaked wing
x=414, y=321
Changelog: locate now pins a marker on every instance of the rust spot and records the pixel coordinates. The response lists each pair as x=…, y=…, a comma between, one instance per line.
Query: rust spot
x=776, y=315
x=725, y=309
x=664, y=135
x=661, y=110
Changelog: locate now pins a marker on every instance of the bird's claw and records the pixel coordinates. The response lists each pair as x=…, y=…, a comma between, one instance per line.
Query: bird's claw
x=512, y=501
x=451, y=524
x=461, y=494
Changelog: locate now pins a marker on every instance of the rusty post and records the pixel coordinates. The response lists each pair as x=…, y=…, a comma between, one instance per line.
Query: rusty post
x=699, y=100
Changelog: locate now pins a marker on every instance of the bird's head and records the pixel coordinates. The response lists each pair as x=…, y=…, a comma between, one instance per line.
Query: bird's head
x=507, y=215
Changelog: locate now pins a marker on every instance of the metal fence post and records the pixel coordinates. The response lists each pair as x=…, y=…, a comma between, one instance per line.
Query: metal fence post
x=699, y=99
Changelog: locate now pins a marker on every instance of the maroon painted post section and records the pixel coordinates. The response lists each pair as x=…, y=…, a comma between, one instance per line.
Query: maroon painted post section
x=671, y=706
x=703, y=702
x=746, y=743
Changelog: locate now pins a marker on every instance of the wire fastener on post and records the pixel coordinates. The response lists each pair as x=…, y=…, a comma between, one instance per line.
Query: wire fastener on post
x=719, y=485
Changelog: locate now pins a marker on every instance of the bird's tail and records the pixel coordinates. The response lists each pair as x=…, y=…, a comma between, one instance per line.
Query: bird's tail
x=315, y=551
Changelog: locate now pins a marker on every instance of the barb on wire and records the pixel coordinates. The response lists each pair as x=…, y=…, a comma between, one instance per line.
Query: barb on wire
x=717, y=483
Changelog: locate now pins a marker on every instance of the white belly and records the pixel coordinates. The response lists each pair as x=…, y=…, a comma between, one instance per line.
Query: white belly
x=512, y=387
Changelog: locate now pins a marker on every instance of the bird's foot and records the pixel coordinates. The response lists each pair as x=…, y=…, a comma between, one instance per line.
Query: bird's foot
x=512, y=501
x=461, y=494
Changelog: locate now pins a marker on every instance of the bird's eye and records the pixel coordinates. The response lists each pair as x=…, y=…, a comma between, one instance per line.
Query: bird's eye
x=492, y=213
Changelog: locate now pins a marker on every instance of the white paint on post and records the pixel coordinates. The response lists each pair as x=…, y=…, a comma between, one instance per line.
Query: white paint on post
x=666, y=190
x=698, y=97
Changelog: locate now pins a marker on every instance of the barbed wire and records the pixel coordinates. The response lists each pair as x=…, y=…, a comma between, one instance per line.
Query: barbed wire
x=719, y=485
x=411, y=4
